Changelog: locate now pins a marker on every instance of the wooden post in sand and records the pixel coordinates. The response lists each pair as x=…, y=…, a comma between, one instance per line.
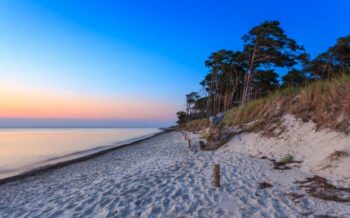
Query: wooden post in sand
x=189, y=143
x=216, y=173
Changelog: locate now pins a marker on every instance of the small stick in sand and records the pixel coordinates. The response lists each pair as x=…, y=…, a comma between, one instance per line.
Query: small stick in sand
x=216, y=172
x=189, y=143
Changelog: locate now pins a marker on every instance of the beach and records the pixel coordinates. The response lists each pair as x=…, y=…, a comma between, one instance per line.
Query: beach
x=162, y=177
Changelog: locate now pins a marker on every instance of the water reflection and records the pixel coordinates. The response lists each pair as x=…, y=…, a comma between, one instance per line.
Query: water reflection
x=20, y=148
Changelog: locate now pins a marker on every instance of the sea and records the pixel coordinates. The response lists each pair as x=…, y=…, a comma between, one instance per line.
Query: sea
x=23, y=150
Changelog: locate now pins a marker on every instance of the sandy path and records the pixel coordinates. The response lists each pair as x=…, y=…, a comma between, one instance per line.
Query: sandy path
x=160, y=177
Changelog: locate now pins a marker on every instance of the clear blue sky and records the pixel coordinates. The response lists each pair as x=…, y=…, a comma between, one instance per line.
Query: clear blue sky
x=151, y=50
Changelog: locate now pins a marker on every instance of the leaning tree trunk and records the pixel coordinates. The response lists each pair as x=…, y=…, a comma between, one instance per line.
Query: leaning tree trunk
x=247, y=86
x=248, y=79
x=211, y=96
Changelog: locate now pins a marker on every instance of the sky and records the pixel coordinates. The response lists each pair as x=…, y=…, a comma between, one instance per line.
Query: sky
x=132, y=62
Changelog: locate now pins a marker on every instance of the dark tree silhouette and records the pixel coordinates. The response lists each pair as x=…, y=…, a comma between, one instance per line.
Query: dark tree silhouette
x=190, y=102
x=235, y=77
x=294, y=77
x=266, y=46
x=224, y=81
x=333, y=62
x=181, y=117
x=265, y=81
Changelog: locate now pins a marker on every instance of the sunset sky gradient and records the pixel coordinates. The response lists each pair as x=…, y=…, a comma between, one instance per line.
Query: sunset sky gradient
x=133, y=60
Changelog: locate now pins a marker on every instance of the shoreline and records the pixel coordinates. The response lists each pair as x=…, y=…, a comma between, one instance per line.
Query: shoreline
x=64, y=163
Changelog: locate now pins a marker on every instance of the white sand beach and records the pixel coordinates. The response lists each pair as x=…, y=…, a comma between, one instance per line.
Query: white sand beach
x=162, y=177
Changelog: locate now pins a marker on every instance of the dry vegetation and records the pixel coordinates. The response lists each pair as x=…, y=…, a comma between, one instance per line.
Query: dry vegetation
x=337, y=155
x=195, y=125
x=333, y=158
x=264, y=185
x=326, y=103
x=285, y=163
x=217, y=137
x=319, y=187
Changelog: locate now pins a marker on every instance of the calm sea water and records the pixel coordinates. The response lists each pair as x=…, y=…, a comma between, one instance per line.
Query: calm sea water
x=25, y=149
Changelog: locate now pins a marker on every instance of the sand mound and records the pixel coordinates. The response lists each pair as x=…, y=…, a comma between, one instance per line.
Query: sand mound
x=325, y=152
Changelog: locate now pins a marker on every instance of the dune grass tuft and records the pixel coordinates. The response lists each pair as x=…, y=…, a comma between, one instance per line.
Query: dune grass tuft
x=326, y=103
x=195, y=125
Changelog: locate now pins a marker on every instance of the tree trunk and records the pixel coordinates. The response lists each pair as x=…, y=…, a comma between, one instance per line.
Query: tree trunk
x=248, y=79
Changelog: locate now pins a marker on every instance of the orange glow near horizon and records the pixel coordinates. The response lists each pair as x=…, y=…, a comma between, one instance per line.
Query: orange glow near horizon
x=41, y=104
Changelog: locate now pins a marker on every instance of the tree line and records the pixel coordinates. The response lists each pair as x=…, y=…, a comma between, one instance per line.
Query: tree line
x=237, y=77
